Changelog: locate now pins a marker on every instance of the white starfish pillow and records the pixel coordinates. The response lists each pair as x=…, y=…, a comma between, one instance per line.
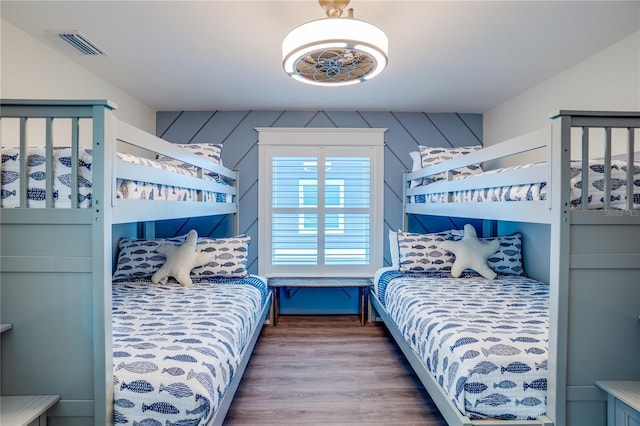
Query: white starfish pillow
x=471, y=253
x=181, y=260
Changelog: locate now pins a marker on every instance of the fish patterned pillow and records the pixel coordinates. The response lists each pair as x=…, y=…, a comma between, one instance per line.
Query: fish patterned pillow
x=139, y=257
x=422, y=253
x=210, y=151
x=508, y=259
x=430, y=156
x=229, y=257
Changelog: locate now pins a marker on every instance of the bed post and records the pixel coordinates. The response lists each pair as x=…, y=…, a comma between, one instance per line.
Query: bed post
x=236, y=215
x=405, y=215
x=558, y=185
x=104, y=145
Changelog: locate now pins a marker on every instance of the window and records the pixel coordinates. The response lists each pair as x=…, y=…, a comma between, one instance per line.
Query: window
x=308, y=197
x=320, y=221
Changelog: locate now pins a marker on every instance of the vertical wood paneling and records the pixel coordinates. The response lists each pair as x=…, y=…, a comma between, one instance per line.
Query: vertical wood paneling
x=236, y=131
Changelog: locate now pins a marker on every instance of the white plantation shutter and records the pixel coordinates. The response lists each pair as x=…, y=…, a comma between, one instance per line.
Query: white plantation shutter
x=320, y=214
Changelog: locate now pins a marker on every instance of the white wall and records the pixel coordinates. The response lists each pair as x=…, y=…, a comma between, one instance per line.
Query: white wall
x=31, y=70
x=609, y=80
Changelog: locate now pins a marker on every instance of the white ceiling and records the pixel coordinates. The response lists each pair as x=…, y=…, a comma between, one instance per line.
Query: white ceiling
x=444, y=56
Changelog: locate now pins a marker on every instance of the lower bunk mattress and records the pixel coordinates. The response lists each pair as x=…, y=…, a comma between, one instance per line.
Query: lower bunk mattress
x=176, y=349
x=484, y=341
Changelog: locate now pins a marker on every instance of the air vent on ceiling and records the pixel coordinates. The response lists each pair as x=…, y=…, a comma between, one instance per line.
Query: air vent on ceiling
x=81, y=43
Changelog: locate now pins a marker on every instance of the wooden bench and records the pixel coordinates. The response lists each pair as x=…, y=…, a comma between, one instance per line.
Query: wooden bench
x=319, y=282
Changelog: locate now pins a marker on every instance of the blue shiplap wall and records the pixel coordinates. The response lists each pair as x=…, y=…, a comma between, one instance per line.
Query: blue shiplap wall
x=236, y=131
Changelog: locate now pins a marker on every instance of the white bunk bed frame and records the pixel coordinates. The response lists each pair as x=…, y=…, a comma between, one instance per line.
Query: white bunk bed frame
x=590, y=251
x=56, y=263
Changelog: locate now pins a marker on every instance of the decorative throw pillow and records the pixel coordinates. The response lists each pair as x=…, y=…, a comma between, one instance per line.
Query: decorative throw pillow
x=180, y=260
x=139, y=257
x=431, y=156
x=229, y=257
x=393, y=249
x=508, y=259
x=422, y=253
x=210, y=151
x=471, y=253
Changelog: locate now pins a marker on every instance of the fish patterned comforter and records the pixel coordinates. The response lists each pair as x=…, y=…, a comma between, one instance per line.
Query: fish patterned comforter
x=62, y=180
x=538, y=190
x=485, y=341
x=176, y=349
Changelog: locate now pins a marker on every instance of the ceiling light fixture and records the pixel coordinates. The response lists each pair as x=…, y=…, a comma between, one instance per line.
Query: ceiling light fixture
x=335, y=51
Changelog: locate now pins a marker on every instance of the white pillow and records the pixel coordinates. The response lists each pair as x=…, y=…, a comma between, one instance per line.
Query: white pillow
x=393, y=249
x=180, y=260
x=507, y=260
x=471, y=253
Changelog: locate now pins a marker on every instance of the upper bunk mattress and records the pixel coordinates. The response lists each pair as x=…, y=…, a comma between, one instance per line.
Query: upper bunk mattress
x=538, y=190
x=485, y=341
x=62, y=180
x=176, y=349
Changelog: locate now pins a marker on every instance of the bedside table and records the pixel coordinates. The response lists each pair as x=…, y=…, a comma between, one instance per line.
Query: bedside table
x=319, y=282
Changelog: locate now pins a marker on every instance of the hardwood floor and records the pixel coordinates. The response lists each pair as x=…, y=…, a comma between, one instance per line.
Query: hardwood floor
x=328, y=370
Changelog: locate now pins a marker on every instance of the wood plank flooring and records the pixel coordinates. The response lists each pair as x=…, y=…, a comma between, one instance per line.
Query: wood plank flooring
x=328, y=370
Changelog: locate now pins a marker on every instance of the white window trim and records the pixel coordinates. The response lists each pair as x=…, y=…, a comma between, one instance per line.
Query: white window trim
x=295, y=138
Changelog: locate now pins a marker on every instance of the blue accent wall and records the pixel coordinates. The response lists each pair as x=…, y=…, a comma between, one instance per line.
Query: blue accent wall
x=235, y=130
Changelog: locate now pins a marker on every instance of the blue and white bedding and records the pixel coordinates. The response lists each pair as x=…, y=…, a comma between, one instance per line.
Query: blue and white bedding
x=176, y=349
x=485, y=341
x=538, y=190
x=126, y=189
